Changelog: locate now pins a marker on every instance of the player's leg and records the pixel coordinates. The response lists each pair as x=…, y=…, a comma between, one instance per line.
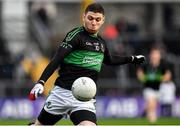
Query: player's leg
x=151, y=109
x=56, y=105
x=83, y=118
x=46, y=118
x=83, y=113
x=150, y=96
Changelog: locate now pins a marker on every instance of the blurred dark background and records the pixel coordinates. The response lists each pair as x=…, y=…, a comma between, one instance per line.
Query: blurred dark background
x=31, y=34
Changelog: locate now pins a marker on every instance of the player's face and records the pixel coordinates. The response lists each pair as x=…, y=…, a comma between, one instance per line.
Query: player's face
x=93, y=21
x=155, y=57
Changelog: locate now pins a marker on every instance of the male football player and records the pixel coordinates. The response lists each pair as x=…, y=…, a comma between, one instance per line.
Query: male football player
x=81, y=53
x=152, y=75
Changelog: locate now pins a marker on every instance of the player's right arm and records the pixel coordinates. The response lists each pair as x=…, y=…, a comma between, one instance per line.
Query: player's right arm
x=70, y=43
x=141, y=75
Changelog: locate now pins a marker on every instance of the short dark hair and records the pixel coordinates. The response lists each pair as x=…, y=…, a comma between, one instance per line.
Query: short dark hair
x=95, y=7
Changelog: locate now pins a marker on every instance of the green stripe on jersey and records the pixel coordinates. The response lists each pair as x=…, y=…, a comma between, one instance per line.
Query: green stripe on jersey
x=86, y=59
x=73, y=33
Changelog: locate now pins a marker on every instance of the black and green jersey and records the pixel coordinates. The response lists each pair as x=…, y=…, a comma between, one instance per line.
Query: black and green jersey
x=154, y=75
x=80, y=54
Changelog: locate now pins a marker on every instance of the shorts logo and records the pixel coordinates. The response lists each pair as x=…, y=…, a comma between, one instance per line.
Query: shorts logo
x=48, y=105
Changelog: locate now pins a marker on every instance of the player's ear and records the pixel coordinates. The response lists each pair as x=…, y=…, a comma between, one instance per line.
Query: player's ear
x=84, y=15
x=103, y=19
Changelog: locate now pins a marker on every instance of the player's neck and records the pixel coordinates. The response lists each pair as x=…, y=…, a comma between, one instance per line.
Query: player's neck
x=155, y=64
x=91, y=33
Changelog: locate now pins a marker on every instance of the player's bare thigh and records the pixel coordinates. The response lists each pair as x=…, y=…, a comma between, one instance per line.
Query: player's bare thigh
x=83, y=123
x=86, y=123
x=37, y=123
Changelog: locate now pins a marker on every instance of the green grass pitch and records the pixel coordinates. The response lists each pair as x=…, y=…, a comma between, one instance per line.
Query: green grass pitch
x=120, y=121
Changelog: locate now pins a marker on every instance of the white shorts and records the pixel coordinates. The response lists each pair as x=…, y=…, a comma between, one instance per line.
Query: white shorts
x=61, y=101
x=150, y=93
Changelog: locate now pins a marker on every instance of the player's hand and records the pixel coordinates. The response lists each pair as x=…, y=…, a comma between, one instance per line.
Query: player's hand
x=139, y=59
x=36, y=91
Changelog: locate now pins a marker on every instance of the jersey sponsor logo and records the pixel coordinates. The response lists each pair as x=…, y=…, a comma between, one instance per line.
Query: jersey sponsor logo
x=85, y=59
x=91, y=60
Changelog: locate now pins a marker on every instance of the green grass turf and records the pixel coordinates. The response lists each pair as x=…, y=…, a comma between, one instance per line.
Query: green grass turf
x=126, y=121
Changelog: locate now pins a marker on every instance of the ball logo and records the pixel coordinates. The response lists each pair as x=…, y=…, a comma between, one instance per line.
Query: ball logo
x=83, y=81
x=84, y=89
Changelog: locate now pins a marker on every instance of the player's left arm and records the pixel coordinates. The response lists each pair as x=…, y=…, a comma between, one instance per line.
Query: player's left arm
x=167, y=76
x=119, y=60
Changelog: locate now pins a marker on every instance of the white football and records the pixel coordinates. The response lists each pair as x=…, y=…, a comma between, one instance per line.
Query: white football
x=84, y=89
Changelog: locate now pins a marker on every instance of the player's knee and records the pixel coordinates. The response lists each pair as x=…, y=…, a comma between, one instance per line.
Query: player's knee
x=37, y=123
x=86, y=123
